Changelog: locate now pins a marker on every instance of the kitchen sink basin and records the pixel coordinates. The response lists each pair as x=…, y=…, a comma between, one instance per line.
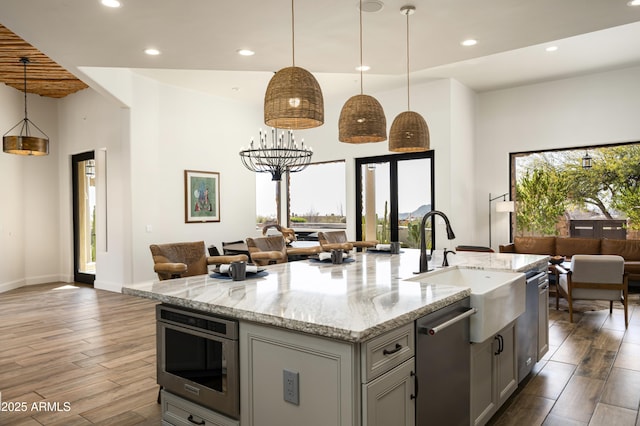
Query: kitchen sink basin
x=498, y=296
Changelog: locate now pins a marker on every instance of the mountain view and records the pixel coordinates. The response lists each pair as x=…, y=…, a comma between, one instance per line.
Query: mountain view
x=417, y=213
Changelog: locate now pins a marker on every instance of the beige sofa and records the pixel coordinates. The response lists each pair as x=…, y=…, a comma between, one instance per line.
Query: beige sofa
x=567, y=246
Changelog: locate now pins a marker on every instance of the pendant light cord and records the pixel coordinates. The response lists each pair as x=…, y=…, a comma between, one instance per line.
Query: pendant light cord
x=293, y=36
x=25, y=61
x=408, y=95
x=361, y=84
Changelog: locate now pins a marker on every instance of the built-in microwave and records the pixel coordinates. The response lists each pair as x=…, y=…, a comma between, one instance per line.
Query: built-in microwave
x=197, y=358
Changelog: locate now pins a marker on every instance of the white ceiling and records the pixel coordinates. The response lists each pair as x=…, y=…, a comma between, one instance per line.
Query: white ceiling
x=203, y=35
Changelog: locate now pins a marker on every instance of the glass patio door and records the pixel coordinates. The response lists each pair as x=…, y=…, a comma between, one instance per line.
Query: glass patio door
x=395, y=191
x=84, y=217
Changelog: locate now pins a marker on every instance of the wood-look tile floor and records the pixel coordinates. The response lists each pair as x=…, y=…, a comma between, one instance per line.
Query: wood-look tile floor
x=90, y=355
x=83, y=356
x=590, y=376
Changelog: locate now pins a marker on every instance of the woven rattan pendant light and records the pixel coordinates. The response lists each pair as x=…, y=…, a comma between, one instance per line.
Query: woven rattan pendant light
x=293, y=99
x=362, y=118
x=25, y=143
x=409, y=131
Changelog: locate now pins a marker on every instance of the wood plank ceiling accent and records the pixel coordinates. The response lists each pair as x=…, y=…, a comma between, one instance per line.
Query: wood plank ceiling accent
x=44, y=76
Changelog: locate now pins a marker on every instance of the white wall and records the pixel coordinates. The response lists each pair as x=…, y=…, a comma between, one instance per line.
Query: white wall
x=29, y=192
x=589, y=110
x=91, y=122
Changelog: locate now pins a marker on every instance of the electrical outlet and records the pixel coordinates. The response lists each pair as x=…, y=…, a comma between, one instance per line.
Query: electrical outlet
x=291, y=385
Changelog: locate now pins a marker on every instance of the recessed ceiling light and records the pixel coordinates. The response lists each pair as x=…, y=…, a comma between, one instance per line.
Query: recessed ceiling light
x=633, y=3
x=152, y=52
x=245, y=52
x=469, y=42
x=363, y=68
x=551, y=48
x=110, y=3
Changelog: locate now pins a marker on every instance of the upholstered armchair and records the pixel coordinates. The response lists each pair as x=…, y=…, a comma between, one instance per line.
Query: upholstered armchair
x=337, y=240
x=595, y=277
x=176, y=260
x=267, y=250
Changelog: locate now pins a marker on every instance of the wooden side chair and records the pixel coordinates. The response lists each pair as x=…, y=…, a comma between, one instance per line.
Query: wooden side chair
x=595, y=277
x=177, y=260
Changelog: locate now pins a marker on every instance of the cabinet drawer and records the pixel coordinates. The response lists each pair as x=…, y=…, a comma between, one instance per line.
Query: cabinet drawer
x=385, y=352
x=178, y=412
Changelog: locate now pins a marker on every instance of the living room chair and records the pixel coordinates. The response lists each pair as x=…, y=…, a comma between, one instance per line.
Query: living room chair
x=177, y=260
x=594, y=277
x=337, y=240
x=267, y=250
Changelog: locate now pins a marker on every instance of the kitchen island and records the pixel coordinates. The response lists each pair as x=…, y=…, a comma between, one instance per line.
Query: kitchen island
x=327, y=323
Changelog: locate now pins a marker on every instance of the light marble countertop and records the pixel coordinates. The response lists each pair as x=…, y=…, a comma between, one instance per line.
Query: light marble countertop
x=354, y=301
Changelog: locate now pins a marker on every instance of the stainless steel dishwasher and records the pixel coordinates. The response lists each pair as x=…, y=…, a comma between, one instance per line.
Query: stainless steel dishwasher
x=527, y=324
x=443, y=366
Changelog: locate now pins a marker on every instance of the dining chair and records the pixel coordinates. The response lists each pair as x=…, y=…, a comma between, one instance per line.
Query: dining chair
x=595, y=277
x=185, y=259
x=267, y=250
x=337, y=240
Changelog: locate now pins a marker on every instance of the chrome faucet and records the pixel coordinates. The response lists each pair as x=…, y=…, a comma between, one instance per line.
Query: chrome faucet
x=424, y=267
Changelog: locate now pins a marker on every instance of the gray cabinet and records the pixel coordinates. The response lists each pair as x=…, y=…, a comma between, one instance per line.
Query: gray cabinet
x=326, y=388
x=494, y=374
x=338, y=383
x=389, y=399
x=388, y=370
x=177, y=411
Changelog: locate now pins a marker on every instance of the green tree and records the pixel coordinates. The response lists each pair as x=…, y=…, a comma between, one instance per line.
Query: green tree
x=613, y=182
x=541, y=196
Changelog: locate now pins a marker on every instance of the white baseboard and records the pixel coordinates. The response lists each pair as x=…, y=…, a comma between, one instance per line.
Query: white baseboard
x=43, y=279
x=109, y=286
x=11, y=285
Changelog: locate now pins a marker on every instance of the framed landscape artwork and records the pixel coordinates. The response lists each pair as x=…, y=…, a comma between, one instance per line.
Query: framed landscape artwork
x=202, y=196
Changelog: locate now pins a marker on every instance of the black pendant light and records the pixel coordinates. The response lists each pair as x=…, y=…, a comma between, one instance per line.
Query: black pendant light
x=24, y=143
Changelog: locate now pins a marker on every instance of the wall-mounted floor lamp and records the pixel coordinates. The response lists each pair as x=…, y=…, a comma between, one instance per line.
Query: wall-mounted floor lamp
x=501, y=206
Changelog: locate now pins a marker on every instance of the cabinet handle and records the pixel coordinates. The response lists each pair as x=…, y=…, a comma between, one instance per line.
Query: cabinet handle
x=190, y=418
x=500, y=344
x=392, y=351
x=415, y=379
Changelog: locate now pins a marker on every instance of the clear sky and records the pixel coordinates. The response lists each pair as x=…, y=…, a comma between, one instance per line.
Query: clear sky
x=320, y=188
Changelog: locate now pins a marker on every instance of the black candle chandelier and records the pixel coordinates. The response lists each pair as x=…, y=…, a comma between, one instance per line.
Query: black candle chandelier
x=282, y=154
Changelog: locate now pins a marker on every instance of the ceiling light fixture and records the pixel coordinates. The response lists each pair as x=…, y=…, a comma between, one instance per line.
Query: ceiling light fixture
x=110, y=3
x=24, y=143
x=551, y=48
x=245, y=52
x=293, y=99
x=633, y=3
x=280, y=156
x=409, y=131
x=362, y=118
x=469, y=42
x=363, y=68
x=371, y=6
x=152, y=52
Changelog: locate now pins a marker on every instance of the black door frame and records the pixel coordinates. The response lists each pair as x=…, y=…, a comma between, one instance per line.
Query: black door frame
x=81, y=277
x=393, y=160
